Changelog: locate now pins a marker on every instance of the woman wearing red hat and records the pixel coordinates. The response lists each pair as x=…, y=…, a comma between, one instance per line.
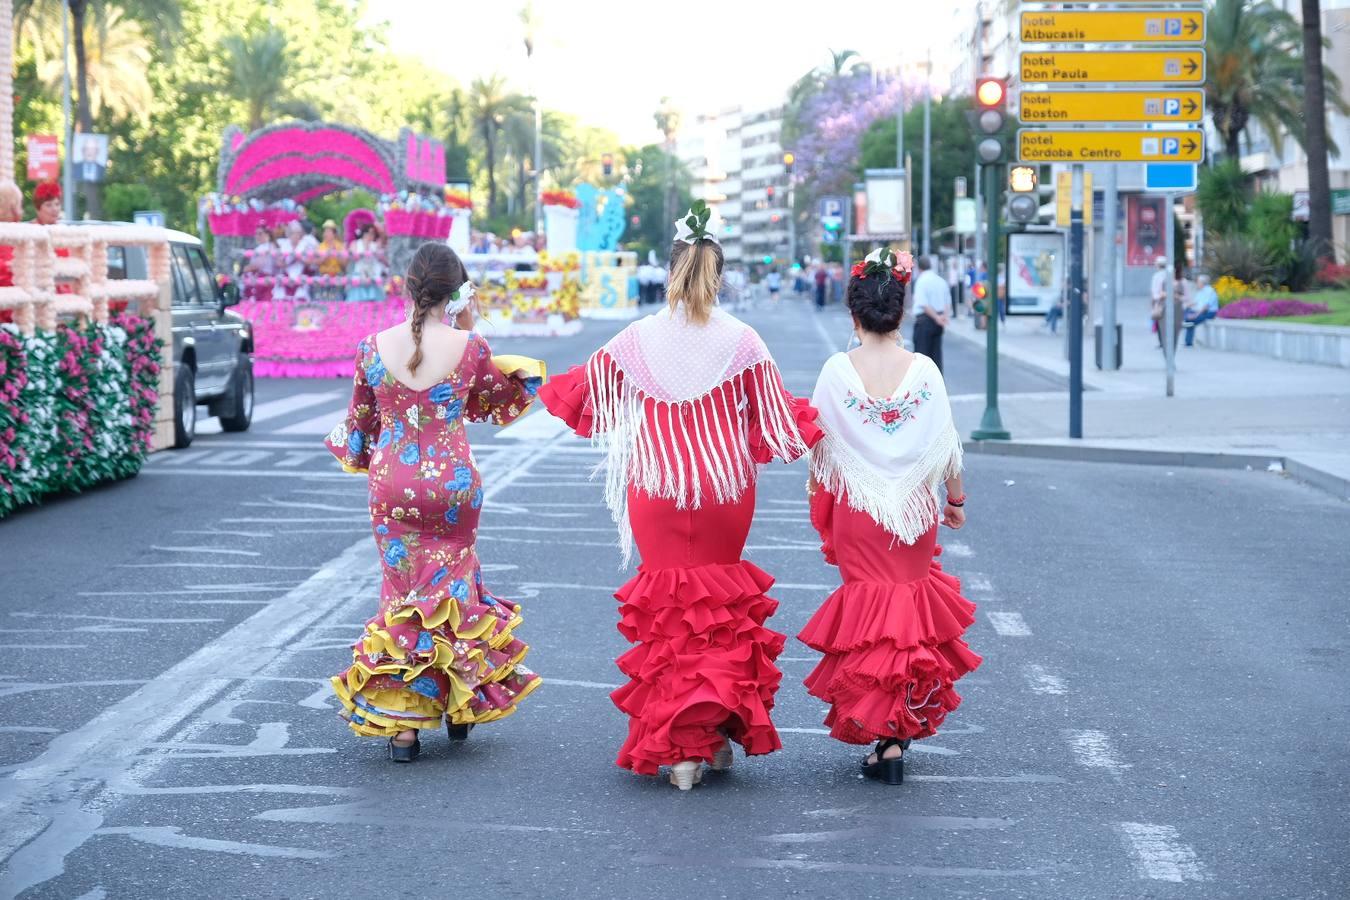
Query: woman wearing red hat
x=47, y=199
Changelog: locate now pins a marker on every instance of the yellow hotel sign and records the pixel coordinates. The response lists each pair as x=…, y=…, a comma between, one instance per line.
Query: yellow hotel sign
x=1069, y=107
x=1037, y=146
x=1113, y=66
x=1152, y=26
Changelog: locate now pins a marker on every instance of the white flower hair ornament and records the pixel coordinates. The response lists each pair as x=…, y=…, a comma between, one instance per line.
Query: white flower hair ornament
x=460, y=299
x=692, y=227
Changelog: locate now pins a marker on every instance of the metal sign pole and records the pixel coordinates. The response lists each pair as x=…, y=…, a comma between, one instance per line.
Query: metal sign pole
x=1076, y=304
x=1169, y=319
x=1107, y=283
x=991, y=423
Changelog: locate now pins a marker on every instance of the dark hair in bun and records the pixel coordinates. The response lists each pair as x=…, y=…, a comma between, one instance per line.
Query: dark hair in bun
x=877, y=305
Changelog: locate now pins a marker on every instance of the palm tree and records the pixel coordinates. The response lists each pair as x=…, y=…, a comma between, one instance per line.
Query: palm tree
x=117, y=56
x=258, y=71
x=1315, y=124
x=490, y=103
x=1255, y=71
x=162, y=17
x=840, y=58
x=518, y=137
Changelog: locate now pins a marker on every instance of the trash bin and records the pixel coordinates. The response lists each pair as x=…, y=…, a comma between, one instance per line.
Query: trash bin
x=1119, y=347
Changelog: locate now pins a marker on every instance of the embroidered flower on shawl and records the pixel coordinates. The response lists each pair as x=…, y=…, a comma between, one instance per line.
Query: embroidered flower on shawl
x=889, y=415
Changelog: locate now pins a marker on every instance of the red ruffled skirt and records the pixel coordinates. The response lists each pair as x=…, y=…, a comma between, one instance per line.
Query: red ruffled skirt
x=703, y=664
x=891, y=635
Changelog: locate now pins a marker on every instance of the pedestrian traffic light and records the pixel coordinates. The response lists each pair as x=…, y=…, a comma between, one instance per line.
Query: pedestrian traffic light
x=607, y=164
x=788, y=159
x=991, y=113
x=1022, y=179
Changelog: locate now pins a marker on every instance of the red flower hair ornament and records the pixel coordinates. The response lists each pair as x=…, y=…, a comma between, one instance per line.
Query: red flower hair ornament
x=885, y=264
x=48, y=190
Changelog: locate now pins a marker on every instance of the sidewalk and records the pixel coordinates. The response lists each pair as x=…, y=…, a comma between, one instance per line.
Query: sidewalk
x=1228, y=408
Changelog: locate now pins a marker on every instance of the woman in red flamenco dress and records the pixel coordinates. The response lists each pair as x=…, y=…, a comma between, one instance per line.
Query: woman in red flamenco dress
x=892, y=634
x=441, y=647
x=687, y=403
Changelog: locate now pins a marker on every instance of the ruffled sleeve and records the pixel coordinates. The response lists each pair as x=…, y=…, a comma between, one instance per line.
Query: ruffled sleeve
x=568, y=396
x=781, y=426
x=503, y=386
x=351, y=441
x=821, y=504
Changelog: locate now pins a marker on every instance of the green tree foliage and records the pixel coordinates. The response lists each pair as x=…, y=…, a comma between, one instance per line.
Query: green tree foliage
x=1223, y=196
x=953, y=154
x=650, y=170
x=1255, y=72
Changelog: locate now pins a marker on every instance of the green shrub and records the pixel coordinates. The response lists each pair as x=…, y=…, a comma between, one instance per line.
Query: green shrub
x=1223, y=197
x=1238, y=256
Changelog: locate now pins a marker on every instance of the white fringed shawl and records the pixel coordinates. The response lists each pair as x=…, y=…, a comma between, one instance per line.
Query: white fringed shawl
x=696, y=384
x=887, y=454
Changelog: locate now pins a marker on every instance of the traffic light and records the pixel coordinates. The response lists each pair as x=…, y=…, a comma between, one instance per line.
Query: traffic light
x=1022, y=179
x=788, y=159
x=607, y=164
x=1025, y=204
x=769, y=191
x=980, y=291
x=768, y=259
x=991, y=112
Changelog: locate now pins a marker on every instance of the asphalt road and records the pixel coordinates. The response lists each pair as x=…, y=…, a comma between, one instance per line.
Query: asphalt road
x=1163, y=710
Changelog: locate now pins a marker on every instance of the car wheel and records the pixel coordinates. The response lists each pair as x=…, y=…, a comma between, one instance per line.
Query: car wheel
x=184, y=407
x=238, y=414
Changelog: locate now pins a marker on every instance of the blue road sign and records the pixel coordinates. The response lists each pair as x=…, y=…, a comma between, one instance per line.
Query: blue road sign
x=1180, y=177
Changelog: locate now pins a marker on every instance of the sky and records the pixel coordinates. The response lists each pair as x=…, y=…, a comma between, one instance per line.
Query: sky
x=611, y=62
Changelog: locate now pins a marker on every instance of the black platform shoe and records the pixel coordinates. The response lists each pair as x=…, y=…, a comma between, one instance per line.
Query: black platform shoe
x=404, y=753
x=887, y=771
x=458, y=732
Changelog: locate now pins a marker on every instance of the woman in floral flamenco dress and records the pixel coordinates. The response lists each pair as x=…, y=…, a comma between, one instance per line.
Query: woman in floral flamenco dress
x=892, y=634
x=687, y=403
x=441, y=647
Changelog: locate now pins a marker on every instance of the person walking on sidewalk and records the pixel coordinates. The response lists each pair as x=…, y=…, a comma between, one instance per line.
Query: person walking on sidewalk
x=932, y=303
x=892, y=634
x=686, y=404
x=441, y=647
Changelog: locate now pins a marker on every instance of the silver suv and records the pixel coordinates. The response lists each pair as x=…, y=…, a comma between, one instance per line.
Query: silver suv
x=212, y=347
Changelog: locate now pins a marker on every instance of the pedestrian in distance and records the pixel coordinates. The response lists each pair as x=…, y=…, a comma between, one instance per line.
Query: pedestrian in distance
x=686, y=404
x=1203, y=307
x=891, y=635
x=441, y=648
x=1158, y=301
x=932, y=305
x=774, y=282
x=822, y=279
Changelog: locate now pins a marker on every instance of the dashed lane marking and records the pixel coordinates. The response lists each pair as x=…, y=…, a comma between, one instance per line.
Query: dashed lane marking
x=1043, y=681
x=1093, y=750
x=1009, y=624
x=1159, y=853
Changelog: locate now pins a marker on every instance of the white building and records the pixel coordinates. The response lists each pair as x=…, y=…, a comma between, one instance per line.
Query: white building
x=736, y=158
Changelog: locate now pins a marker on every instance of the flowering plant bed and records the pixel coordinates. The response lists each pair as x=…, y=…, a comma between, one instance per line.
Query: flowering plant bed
x=1262, y=308
x=77, y=406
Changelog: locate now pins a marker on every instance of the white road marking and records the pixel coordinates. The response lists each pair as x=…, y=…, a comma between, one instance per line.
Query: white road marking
x=957, y=549
x=1008, y=624
x=536, y=426
x=1043, y=681
x=565, y=682
x=1159, y=853
x=1093, y=750
x=36, y=836
x=275, y=409
x=976, y=583
x=319, y=425
x=172, y=836
x=220, y=550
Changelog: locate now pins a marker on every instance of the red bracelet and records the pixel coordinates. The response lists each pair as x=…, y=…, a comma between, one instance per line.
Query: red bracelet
x=956, y=501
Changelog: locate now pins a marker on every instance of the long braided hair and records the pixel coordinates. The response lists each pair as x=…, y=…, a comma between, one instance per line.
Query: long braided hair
x=435, y=273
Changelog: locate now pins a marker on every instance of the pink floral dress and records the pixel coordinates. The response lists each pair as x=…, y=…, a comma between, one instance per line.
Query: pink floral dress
x=441, y=645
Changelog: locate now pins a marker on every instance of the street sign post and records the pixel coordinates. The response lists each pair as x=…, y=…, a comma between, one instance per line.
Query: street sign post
x=1182, y=66
x=1145, y=26
x=1094, y=107
x=1134, y=145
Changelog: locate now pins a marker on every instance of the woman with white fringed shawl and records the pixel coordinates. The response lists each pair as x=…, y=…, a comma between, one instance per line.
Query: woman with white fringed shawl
x=892, y=634
x=686, y=404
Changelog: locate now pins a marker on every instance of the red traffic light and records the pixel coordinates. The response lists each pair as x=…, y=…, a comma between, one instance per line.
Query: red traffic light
x=980, y=290
x=991, y=93
x=769, y=191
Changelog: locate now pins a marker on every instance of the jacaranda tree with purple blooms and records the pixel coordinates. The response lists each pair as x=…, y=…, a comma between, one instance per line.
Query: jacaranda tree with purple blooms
x=830, y=125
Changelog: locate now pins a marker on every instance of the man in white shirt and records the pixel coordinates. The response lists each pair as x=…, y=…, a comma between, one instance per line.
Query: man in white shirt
x=932, y=301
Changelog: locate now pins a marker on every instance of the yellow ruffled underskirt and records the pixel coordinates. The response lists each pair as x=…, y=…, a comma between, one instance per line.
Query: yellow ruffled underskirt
x=400, y=709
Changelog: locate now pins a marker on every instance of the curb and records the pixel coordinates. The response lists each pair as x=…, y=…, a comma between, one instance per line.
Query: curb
x=1313, y=477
